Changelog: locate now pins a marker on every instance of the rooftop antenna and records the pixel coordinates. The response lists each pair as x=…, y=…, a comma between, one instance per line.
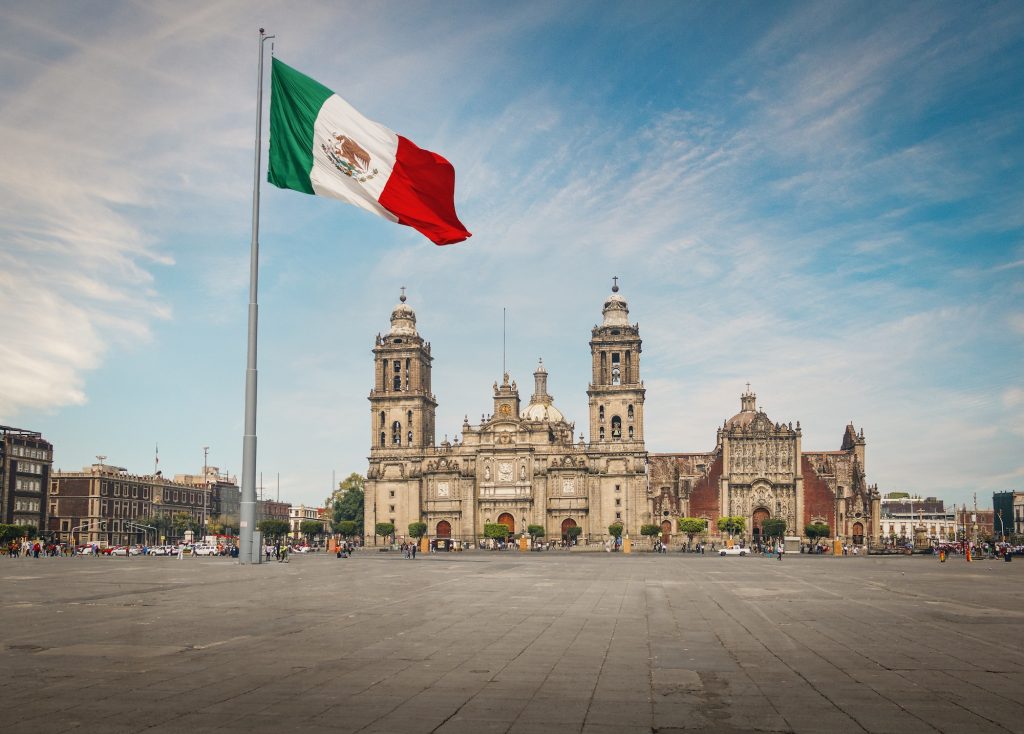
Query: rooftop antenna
x=100, y=458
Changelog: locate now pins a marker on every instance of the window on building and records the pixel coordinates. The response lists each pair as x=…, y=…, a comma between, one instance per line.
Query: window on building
x=616, y=428
x=618, y=515
x=410, y=438
x=618, y=487
x=383, y=420
x=391, y=493
x=616, y=369
x=629, y=413
x=391, y=508
x=602, y=433
x=396, y=433
x=600, y=413
x=618, y=501
x=631, y=432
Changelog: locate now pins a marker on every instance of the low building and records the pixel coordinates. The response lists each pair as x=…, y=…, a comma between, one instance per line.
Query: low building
x=300, y=514
x=976, y=523
x=225, y=497
x=26, y=461
x=900, y=515
x=107, y=505
x=273, y=510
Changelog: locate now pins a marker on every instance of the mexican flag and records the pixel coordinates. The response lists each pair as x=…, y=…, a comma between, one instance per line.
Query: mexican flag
x=320, y=144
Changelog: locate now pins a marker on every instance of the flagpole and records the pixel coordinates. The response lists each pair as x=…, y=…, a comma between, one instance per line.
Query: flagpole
x=247, y=510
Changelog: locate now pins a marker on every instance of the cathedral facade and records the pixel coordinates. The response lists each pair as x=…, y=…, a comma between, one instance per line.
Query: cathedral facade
x=523, y=466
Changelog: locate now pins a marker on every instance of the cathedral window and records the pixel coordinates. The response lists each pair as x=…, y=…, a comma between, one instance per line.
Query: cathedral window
x=604, y=368
x=407, y=368
x=602, y=433
x=631, y=432
x=410, y=437
x=383, y=420
x=629, y=412
x=616, y=371
x=397, y=379
x=396, y=433
x=383, y=439
x=600, y=414
x=618, y=502
x=616, y=428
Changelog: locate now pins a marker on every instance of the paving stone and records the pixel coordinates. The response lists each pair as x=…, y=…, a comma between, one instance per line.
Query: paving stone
x=502, y=642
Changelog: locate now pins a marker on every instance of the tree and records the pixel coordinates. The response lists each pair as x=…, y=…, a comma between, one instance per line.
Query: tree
x=273, y=527
x=574, y=532
x=347, y=501
x=816, y=530
x=182, y=522
x=774, y=527
x=535, y=531
x=650, y=530
x=347, y=528
x=417, y=529
x=384, y=529
x=732, y=525
x=615, y=530
x=692, y=526
x=311, y=528
x=495, y=530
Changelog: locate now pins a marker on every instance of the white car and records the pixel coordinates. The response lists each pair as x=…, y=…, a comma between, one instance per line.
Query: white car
x=734, y=551
x=205, y=550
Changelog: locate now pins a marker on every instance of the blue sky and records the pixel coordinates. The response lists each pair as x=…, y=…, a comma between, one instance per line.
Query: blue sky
x=823, y=199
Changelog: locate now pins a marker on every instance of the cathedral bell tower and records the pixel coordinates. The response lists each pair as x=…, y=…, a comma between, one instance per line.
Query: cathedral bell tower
x=616, y=392
x=402, y=405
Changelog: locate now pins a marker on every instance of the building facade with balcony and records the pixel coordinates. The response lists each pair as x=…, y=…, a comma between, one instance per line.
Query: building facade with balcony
x=26, y=462
x=901, y=515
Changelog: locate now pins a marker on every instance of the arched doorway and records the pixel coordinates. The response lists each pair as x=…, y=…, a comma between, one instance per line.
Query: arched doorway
x=444, y=529
x=757, y=523
x=567, y=523
x=508, y=521
x=666, y=531
x=858, y=533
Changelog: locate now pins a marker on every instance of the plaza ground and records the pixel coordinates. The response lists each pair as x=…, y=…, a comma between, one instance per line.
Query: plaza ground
x=512, y=642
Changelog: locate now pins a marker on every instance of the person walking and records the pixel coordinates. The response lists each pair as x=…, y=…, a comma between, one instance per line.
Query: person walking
x=780, y=549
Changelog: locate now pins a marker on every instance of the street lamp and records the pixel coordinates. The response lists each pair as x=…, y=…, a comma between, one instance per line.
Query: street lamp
x=206, y=485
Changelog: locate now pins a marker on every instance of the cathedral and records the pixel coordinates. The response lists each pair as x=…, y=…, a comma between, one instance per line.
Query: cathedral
x=524, y=466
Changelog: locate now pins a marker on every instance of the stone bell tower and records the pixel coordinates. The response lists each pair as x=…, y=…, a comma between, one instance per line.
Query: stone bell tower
x=616, y=392
x=402, y=406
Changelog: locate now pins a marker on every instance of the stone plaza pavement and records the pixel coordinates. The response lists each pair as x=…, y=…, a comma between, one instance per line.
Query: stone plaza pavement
x=512, y=642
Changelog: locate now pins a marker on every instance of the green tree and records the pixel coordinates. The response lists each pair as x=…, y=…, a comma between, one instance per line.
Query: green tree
x=732, y=525
x=312, y=529
x=347, y=528
x=348, y=500
x=495, y=530
x=615, y=529
x=774, y=527
x=535, y=531
x=182, y=522
x=816, y=530
x=417, y=529
x=574, y=532
x=384, y=529
x=692, y=526
x=273, y=528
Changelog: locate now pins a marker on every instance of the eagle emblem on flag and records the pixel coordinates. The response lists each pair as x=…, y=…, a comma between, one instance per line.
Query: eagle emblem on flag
x=349, y=157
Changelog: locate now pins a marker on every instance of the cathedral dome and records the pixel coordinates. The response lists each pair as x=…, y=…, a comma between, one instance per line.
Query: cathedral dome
x=615, y=311
x=747, y=411
x=403, y=319
x=541, y=407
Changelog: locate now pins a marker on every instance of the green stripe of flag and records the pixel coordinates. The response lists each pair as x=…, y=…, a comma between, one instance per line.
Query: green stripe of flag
x=295, y=102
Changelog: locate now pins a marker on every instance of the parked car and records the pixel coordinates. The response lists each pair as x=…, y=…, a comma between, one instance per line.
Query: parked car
x=123, y=551
x=734, y=551
x=205, y=550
